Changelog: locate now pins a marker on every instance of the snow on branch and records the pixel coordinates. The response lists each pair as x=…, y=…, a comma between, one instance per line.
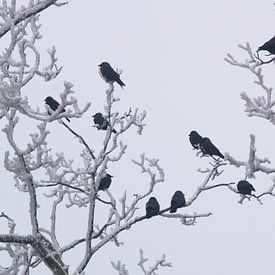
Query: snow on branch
x=11, y=17
x=159, y=263
x=254, y=163
x=262, y=106
x=16, y=247
x=212, y=173
x=48, y=73
x=118, y=266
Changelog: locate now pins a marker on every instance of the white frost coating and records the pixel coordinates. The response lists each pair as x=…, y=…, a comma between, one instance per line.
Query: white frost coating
x=146, y=271
x=254, y=163
x=262, y=106
x=63, y=183
x=19, y=251
x=120, y=268
x=151, y=271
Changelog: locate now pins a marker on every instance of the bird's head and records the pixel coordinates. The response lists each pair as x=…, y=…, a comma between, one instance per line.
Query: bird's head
x=179, y=193
x=48, y=99
x=192, y=133
x=152, y=200
x=103, y=64
x=97, y=115
x=109, y=176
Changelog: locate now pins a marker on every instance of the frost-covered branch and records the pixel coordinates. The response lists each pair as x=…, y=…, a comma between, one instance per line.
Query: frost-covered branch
x=107, y=154
x=12, y=17
x=118, y=266
x=159, y=263
x=254, y=163
x=262, y=106
x=211, y=174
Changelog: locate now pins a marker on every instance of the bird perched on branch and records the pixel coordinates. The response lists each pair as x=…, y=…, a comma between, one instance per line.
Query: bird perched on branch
x=109, y=74
x=268, y=46
x=245, y=188
x=208, y=148
x=178, y=201
x=101, y=122
x=53, y=104
x=105, y=182
x=195, y=139
x=152, y=207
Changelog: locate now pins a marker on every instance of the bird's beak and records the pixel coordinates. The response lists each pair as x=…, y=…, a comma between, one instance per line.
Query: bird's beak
x=99, y=65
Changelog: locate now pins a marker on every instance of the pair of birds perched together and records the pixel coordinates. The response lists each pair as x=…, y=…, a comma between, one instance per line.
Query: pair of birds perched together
x=208, y=148
x=110, y=76
x=204, y=144
x=153, y=207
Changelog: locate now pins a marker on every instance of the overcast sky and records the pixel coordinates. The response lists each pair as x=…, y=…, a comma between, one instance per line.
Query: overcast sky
x=172, y=57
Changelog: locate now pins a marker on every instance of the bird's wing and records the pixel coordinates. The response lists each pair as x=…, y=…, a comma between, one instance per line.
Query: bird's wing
x=110, y=73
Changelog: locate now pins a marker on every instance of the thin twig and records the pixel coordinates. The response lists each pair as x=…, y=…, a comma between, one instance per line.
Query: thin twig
x=81, y=138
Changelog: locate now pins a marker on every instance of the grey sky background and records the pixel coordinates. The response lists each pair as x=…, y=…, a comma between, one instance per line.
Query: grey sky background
x=172, y=57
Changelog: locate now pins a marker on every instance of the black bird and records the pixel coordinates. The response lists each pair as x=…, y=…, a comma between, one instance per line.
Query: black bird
x=101, y=122
x=268, y=46
x=208, y=148
x=152, y=207
x=53, y=104
x=195, y=139
x=178, y=201
x=109, y=74
x=105, y=182
x=245, y=188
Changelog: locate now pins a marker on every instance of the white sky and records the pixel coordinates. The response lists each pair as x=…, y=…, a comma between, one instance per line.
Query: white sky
x=172, y=57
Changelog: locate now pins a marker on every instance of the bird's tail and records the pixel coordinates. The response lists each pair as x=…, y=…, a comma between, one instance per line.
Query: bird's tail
x=221, y=155
x=120, y=83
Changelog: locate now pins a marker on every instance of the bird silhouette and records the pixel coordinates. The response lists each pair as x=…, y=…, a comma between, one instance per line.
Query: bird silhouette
x=109, y=74
x=178, y=201
x=245, y=188
x=101, y=122
x=152, y=207
x=208, y=148
x=268, y=46
x=105, y=182
x=53, y=104
x=195, y=139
